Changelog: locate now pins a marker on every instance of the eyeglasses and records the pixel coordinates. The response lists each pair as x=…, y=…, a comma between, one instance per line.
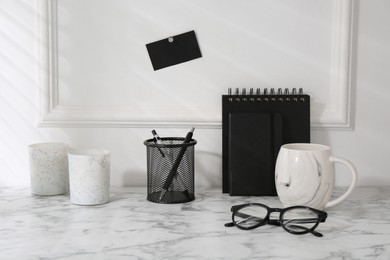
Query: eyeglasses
x=297, y=220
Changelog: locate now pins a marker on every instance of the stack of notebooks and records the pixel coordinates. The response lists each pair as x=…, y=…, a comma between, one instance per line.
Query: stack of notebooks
x=254, y=126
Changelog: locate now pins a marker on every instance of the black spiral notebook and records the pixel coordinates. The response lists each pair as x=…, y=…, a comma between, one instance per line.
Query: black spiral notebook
x=254, y=126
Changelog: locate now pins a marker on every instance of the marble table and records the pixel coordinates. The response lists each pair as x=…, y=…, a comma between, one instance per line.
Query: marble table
x=130, y=227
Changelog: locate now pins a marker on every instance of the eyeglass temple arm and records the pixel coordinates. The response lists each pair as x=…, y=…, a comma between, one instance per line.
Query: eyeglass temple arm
x=245, y=218
x=276, y=222
x=316, y=233
x=303, y=221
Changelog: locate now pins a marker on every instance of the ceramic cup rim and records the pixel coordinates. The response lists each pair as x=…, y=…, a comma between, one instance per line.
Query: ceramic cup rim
x=49, y=145
x=306, y=147
x=88, y=152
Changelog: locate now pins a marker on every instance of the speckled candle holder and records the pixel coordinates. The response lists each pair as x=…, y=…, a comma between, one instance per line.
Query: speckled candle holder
x=89, y=175
x=49, y=168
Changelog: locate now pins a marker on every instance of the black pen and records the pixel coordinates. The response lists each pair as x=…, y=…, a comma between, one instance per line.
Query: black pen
x=175, y=166
x=157, y=140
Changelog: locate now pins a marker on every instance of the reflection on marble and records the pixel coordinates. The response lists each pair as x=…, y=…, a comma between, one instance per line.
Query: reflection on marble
x=130, y=227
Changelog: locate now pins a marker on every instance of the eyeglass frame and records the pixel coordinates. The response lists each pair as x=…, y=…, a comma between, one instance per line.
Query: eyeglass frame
x=322, y=215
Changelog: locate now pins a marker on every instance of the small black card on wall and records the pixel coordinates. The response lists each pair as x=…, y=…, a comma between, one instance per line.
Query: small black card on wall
x=174, y=50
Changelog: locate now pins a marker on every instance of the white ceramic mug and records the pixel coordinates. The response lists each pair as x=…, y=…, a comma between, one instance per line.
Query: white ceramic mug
x=49, y=168
x=305, y=175
x=89, y=176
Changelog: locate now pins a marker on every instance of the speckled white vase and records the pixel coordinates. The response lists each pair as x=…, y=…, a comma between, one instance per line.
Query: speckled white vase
x=89, y=176
x=49, y=168
x=305, y=175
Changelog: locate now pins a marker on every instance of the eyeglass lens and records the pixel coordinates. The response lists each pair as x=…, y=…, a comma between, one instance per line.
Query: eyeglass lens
x=299, y=220
x=249, y=217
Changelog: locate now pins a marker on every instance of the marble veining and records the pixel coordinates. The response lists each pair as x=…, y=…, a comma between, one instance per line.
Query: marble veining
x=130, y=227
x=299, y=178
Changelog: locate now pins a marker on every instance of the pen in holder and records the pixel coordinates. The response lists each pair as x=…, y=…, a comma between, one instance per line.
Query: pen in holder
x=170, y=168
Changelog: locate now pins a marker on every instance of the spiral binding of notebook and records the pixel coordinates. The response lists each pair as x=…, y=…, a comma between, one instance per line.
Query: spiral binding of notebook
x=258, y=96
x=255, y=124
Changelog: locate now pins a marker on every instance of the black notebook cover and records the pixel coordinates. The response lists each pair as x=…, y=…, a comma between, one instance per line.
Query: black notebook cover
x=250, y=146
x=288, y=122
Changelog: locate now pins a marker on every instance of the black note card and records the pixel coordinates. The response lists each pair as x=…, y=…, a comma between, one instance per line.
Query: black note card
x=174, y=50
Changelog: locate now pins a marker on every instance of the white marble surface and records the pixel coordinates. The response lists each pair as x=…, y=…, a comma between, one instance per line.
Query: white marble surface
x=130, y=227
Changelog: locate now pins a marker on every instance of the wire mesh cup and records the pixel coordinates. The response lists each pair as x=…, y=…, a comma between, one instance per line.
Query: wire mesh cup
x=164, y=184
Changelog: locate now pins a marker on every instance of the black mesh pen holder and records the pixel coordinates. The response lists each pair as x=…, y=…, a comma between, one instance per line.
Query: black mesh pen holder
x=164, y=184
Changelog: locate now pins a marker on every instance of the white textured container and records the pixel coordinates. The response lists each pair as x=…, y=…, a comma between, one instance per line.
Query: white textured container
x=89, y=176
x=49, y=168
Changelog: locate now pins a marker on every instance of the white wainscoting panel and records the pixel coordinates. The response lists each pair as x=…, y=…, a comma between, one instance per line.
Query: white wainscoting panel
x=70, y=96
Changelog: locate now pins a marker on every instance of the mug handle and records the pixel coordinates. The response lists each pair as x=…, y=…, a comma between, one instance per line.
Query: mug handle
x=353, y=170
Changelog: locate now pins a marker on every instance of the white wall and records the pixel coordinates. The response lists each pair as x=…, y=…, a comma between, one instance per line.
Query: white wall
x=367, y=145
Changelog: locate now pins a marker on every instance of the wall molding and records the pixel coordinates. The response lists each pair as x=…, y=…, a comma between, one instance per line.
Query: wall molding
x=334, y=115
